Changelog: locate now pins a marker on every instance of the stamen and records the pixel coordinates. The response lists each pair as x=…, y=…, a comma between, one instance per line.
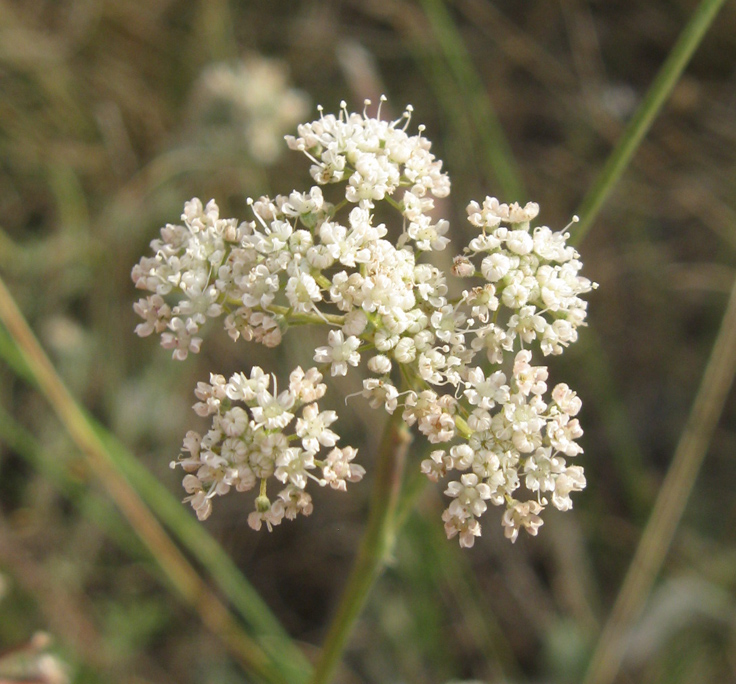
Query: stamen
x=306, y=153
x=381, y=100
x=573, y=220
x=322, y=316
x=407, y=115
x=249, y=201
x=354, y=394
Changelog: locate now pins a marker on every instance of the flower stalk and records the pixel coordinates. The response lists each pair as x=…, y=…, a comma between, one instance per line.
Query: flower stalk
x=376, y=545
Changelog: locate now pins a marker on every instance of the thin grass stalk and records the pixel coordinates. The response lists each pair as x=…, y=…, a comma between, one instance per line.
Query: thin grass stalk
x=194, y=537
x=98, y=509
x=671, y=501
x=178, y=570
x=648, y=110
x=375, y=548
x=477, y=103
x=269, y=633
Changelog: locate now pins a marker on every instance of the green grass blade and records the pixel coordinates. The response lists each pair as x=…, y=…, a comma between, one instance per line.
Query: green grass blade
x=266, y=631
x=208, y=552
x=496, y=150
x=642, y=120
x=672, y=499
x=54, y=470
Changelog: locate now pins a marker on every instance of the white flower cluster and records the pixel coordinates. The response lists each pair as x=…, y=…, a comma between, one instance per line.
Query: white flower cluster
x=525, y=438
x=300, y=263
x=243, y=446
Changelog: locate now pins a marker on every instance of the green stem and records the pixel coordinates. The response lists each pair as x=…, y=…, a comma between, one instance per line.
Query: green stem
x=642, y=120
x=376, y=545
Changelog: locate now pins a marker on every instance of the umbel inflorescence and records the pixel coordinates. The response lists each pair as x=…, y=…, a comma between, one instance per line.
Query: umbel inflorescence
x=462, y=369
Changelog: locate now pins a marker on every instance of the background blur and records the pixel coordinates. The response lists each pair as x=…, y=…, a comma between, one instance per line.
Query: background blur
x=114, y=112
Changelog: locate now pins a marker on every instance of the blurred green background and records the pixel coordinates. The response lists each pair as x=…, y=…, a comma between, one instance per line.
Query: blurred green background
x=114, y=112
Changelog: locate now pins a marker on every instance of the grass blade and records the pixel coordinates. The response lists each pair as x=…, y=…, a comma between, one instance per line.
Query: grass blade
x=105, y=463
x=671, y=501
x=489, y=132
x=648, y=110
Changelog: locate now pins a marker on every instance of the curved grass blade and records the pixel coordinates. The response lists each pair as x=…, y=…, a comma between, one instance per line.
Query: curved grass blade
x=642, y=120
x=284, y=662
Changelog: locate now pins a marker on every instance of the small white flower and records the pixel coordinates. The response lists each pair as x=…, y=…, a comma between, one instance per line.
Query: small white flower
x=495, y=266
x=292, y=466
x=272, y=410
x=242, y=478
x=437, y=465
x=483, y=302
x=430, y=364
x=520, y=515
x=566, y=399
x=462, y=456
x=182, y=338
x=563, y=431
x=479, y=420
x=259, y=287
x=339, y=469
x=462, y=267
x=529, y=379
x=484, y=392
x=266, y=512
x=306, y=387
x=519, y=242
x=460, y=522
x=234, y=422
x=380, y=393
x=302, y=204
x=242, y=388
x=384, y=340
x=437, y=424
x=155, y=312
x=340, y=353
x=405, y=350
x=428, y=236
x=302, y=292
x=470, y=493
x=313, y=426
x=295, y=501
x=201, y=505
x=571, y=480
